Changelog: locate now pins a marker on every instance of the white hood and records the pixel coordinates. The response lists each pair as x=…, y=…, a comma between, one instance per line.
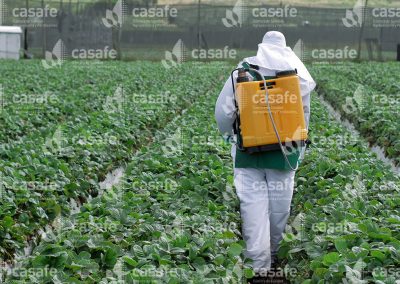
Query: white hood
x=273, y=54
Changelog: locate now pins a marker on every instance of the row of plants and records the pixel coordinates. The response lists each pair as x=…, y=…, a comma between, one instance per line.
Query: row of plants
x=382, y=77
x=345, y=223
x=173, y=219
x=368, y=97
x=65, y=156
x=37, y=100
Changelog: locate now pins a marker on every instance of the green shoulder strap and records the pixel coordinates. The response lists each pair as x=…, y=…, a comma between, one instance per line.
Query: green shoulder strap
x=256, y=75
x=252, y=73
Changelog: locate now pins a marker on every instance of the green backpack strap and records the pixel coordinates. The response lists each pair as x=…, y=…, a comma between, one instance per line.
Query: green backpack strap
x=255, y=75
x=252, y=73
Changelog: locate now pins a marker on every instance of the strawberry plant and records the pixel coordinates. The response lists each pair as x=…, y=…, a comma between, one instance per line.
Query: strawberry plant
x=368, y=95
x=58, y=150
x=174, y=218
x=167, y=221
x=345, y=216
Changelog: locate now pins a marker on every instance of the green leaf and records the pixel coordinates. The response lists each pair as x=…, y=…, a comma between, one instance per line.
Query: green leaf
x=320, y=272
x=129, y=261
x=248, y=273
x=308, y=205
x=235, y=249
x=330, y=258
x=378, y=254
x=219, y=259
x=110, y=257
x=8, y=222
x=340, y=244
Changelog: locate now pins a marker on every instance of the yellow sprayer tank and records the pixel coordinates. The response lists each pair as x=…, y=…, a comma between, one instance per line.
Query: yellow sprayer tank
x=286, y=106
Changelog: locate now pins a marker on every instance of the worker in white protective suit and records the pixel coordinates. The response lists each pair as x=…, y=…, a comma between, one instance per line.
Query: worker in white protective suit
x=265, y=194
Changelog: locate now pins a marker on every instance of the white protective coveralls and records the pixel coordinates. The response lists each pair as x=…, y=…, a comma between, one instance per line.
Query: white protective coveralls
x=265, y=194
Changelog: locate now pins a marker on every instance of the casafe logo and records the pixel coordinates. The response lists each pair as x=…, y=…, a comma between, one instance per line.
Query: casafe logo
x=290, y=145
x=44, y=12
x=355, y=274
x=214, y=53
x=299, y=50
x=296, y=230
x=323, y=54
x=2, y=99
x=56, y=57
x=235, y=17
x=355, y=17
x=115, y=103
x=175, y=57
x=55, y=143
x=354, y=189
x=386, y=17
x=165, y=12
x=275, y=12
x=106, y=53
x=2, y=190
x=115, y=17
x=3, y=12
x=173, y=145
x=357, y=102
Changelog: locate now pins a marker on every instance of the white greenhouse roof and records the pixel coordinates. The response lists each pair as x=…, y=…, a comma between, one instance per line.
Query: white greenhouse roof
x=10, y=29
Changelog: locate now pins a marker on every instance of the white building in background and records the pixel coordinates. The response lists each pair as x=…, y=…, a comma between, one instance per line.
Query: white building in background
x=10, y=42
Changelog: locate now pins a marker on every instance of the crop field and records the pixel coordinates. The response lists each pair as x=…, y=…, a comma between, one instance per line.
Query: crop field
x=368, y=95
x=173, y=217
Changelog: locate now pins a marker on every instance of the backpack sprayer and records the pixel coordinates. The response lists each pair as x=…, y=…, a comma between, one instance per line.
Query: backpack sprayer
x=267, y=110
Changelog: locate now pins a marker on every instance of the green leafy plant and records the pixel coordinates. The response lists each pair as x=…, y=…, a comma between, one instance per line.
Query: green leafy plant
x=345, y=215
x=63, y=130
x=368, y=95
